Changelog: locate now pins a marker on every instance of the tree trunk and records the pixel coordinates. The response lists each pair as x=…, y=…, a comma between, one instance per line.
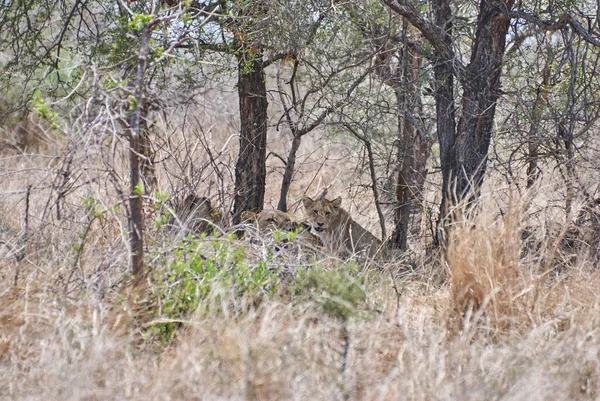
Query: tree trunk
x=409, y=147
x=136, y=216
x=567, y=136
x=541, y=98
x=481, y=89
x=420, y=173
x=443, y=93
x=250, y=169
x=288, y=173
x=147, y=168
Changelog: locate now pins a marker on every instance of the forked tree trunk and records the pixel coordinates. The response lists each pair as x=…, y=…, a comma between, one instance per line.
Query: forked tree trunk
x=464, y=152
x=250, y=169
x=481, y=89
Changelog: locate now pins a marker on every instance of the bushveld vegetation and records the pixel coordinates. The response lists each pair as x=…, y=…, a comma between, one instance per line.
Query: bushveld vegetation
x=135, y=137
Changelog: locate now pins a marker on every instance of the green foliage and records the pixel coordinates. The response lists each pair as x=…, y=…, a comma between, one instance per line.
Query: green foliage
x=158, y=52
x=186, y=18
x=139, y=189
x=161, y=219
x=246, y=61
x=286, y=236
x=160, y=200
x=138, y=21
x=338, y=292
x=205, y=271
x=132, y=103
x=42, y=109
x=92, y=208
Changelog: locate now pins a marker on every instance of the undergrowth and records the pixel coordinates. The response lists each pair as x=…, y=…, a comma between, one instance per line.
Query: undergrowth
x=208, y=274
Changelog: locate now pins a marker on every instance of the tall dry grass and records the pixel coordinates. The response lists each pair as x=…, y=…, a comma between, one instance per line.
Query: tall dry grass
x=501, y=328
x=503, y=316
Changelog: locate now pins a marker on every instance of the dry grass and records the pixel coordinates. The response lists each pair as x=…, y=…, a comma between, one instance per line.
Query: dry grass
x=493, y=321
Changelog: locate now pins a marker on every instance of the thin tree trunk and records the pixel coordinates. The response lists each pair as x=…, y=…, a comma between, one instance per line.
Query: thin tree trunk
x=375, y=189
x=536, y=118
x=409, y=147
x=299, y=133
x=568, y=137
x=289, y=172
x=445, y=110
x=420, y=172
x=136, y=217
x=147, y=169
x=367, y=142
x=250, y=169
x=566, y=132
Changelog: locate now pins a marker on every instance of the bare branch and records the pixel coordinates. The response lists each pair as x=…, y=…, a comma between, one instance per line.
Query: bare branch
x=431, y=32
x=367, y=142
x=563, y=21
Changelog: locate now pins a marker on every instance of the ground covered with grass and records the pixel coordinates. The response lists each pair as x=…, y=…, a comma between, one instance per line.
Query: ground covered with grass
x=495, y=317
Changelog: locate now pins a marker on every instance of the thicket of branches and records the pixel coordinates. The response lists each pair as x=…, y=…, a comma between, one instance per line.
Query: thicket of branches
x=462, y=133
x=420, y=90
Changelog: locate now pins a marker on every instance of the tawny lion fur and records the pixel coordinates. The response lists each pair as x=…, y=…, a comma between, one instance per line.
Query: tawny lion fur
x=339, y=233
x=278, y=220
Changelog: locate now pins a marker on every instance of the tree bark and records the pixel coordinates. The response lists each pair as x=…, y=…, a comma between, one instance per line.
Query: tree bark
x=410, y=145
x=464, y=148
x=533, y=144
x=289, y=172
x=250, y=169
x=136, y=216
x=481, y=89
x=147, y=168
x=443, y=93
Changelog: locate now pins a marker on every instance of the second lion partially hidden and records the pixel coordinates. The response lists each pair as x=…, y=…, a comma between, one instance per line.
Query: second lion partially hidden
x=339, y=233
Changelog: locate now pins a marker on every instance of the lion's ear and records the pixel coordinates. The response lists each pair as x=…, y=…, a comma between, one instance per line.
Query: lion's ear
x=307, y=202
x=337, y=202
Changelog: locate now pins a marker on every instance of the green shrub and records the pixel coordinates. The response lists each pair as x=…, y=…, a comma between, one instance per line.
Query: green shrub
x=206, y=270
x=338, y=292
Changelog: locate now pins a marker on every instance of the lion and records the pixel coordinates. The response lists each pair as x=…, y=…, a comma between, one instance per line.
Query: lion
x=339, y=233
x=269, y=220
x=197, y=214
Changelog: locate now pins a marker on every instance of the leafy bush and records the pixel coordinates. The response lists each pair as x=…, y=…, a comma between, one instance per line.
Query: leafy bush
x=338, y=292
x=207, y=270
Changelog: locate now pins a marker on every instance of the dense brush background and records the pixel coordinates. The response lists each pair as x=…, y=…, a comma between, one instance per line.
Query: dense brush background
x=508, y=310
x=71, y=328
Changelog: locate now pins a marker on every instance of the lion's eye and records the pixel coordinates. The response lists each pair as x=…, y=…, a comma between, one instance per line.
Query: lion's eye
x=315, y=212
x=327, y=213
x=270, y=220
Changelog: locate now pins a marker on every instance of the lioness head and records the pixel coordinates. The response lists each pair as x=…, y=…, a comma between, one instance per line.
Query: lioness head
x=270, y=219
x=199, y=206
x=322, y=213
x=197, y=213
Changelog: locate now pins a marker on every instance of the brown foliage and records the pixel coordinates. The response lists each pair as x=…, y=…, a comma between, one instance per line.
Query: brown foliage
x=486, y=273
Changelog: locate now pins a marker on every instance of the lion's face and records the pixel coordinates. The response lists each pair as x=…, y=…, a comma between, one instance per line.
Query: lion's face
x=198, y=206
x=270, y=219
x=196, y=213
x=321, y=213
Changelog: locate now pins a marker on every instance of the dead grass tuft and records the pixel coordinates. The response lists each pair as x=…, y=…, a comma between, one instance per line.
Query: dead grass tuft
x=489, y=282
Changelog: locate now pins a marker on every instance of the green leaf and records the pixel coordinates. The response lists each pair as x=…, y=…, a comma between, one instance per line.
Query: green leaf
x=139, y=189
x=138, y=21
